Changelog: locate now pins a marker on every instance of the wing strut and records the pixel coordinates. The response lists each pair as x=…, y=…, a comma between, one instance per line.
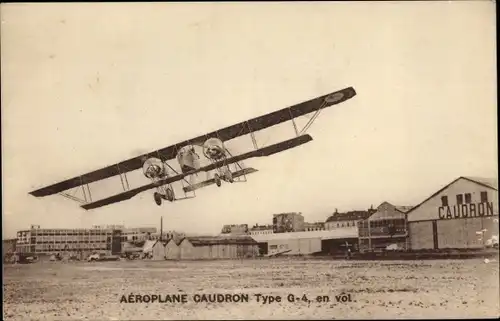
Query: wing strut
x=313, y=118
x=252, y=135
x=123, y=179
x=293, y=122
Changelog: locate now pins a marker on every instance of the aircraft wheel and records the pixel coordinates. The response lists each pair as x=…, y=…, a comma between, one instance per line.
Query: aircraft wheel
x=157, y=197
x=217, y=180
x=169, y=194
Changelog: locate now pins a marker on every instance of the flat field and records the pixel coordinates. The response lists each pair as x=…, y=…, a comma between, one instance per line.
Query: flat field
x=389, y=289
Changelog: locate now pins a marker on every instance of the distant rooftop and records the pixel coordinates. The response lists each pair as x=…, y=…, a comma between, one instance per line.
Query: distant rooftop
x=213, y=240
x=288, y=213
x=261, y=227
x=404, y=208
x=350, y=216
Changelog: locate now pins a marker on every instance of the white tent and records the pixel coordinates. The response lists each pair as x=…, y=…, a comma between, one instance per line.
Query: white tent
x=148, y=246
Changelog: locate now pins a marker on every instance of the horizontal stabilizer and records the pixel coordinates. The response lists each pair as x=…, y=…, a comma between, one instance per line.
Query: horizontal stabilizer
x=236, y=174
x=262, y=152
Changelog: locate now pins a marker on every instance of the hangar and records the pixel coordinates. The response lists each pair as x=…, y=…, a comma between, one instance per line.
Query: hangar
x=387, y=227
x=461, y=215
x=218, y=247
x=305, y=242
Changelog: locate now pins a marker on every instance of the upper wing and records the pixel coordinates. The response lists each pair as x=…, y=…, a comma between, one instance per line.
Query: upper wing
x=224, y=134
x=265, y=151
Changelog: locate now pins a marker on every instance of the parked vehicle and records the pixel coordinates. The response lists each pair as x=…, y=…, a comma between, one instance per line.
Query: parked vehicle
x=102, y=257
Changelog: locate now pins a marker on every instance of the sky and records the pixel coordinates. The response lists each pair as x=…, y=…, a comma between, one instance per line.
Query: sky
x=88, y=85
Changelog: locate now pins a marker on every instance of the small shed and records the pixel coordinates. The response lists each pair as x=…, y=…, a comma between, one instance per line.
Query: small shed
x=218, y=247
x=158, y=251
x=172, y=250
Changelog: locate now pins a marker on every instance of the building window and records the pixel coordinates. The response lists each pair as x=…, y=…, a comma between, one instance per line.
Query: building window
x=460, y=199
x=484, y=197
x=468, y=198
x=444, y=200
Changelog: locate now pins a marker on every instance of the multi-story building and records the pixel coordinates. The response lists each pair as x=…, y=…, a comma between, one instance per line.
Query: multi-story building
x=235, y=229
x=261, y=229
x=347, y=220
x=318, y=226
x=109, y=239
x=288, y=222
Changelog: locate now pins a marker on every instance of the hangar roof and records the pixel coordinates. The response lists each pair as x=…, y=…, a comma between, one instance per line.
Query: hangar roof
x=340, y=233
x=484, y=181
x=213, y=240
x=487, y=181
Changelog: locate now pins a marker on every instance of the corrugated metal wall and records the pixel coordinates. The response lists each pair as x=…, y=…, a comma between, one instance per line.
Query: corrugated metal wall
x=215, y=251
x=464, y=233
x=467, y=233
x=421, y=235
x=186, y=250
x=296, y=246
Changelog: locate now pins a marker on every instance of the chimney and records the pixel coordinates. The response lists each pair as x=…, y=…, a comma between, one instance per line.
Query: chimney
x=161, y=228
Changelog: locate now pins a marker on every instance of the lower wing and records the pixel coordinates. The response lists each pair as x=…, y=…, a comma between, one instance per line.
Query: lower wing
x=236, y=174
x=265, y=151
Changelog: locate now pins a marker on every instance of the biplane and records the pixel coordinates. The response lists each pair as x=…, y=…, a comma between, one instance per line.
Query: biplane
x=226, y=166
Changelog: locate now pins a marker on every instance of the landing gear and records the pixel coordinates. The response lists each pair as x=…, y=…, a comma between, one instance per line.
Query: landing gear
x=217, y=179
x=169, y=194
x=157, y=197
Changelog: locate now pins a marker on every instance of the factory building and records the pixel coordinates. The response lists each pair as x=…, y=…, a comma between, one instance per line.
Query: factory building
x=461, y=215
x=303, y=243
x=47, y=241
x=109, y=239
x=384, y=229
x=261, y=229
x=231, y=247
x=288, y=222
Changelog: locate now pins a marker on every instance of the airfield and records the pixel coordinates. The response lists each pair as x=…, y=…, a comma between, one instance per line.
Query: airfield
x=411, y=289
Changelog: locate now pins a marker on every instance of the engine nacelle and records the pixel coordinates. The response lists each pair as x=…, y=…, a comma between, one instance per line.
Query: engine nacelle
x=213, y=148
x=154, y=168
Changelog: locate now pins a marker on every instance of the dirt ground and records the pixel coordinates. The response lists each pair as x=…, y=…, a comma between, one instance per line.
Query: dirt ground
x=411, y=289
